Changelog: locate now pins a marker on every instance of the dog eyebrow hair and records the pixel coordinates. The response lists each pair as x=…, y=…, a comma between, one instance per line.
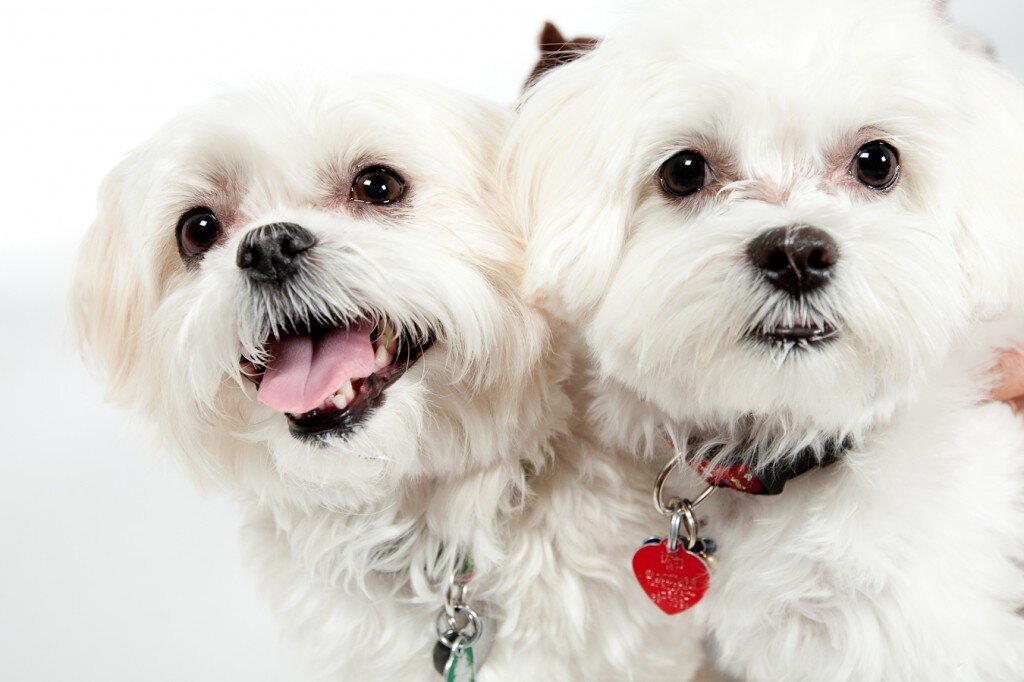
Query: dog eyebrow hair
x=849, y=142
x=711, y=147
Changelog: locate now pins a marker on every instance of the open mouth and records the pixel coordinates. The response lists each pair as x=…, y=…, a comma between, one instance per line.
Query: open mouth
x=800, y=334
x=327, y=380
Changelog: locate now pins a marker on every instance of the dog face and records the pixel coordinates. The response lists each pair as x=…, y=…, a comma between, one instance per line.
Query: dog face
x=786, y=211
x=321, y=274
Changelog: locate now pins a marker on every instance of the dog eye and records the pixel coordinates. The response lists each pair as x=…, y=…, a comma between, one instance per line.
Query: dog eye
x=684, y=174
x=877, y=165
x=198, y=230
x=377, y=186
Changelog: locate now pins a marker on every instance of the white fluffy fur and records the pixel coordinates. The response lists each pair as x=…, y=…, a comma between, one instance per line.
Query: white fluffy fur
x=903, y=562
x=355, y=538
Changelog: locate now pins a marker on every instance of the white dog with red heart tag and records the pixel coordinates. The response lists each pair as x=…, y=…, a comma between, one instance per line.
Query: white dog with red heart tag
x=790, y=235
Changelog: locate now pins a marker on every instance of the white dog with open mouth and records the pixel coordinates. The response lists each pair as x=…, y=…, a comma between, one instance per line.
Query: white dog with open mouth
x=788, y=232
x=313, y=292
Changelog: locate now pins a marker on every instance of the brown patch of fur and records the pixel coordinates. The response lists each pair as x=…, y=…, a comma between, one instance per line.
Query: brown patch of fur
x=556, y=50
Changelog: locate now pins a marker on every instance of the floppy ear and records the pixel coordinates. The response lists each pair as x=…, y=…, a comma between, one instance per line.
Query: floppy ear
x=556, y=50
x=570, y=189
x=109, y=295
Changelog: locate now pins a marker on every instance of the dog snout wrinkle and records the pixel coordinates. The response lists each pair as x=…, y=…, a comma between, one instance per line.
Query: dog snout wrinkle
x=795, y=260
x=271, y=253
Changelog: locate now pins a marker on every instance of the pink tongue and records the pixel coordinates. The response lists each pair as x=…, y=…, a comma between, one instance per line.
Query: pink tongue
x=305, y=372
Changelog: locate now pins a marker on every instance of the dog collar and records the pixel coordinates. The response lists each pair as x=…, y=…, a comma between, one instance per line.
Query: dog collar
x=772, y=480
x=675, y=571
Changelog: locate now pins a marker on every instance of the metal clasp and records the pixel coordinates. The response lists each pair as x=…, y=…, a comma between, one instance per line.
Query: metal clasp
x=681, y=510
x=672, y=505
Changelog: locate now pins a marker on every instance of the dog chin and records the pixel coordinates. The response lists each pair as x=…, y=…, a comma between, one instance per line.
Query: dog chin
x=356, y=460
x=809, y=380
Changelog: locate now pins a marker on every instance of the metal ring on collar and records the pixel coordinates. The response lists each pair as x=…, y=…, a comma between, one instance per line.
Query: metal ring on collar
x=689, y=523
x=659, y=486
x=659, y=489
x=468, y=633
x=454, y=596
x=682, y=519
x=673, y=528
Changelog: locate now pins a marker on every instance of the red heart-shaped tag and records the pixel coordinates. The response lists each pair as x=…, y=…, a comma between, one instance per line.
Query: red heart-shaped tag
x=674, y=581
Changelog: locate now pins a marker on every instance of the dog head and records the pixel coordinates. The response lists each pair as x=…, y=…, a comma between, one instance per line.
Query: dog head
x=780, y=214
x=318, y=278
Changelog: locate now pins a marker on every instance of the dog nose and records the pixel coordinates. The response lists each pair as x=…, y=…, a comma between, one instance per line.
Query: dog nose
x=271, y=252
x=796, y=260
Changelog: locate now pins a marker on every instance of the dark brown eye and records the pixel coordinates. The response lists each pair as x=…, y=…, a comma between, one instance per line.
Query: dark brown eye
x=684, y=174
x=877, y=165
x=377, y=186
x=198, y=230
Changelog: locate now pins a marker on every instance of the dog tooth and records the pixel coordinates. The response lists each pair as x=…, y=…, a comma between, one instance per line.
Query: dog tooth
x=348, y=392
x=382, y=358
x=339, y=401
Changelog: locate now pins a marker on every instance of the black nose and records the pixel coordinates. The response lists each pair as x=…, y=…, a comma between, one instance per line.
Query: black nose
x=272, y=252
x=796, y=260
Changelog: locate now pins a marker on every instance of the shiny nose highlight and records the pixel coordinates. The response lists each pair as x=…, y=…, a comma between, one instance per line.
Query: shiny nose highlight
x=796, y=260
x=272, y=253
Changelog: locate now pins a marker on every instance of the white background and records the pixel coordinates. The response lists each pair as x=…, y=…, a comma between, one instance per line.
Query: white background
x=111, y=566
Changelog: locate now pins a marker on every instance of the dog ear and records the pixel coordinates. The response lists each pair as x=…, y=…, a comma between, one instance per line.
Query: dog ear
x=108, y=297
x=970, y=39
x=556, y=50
x=570, y=192
x=991, y=205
